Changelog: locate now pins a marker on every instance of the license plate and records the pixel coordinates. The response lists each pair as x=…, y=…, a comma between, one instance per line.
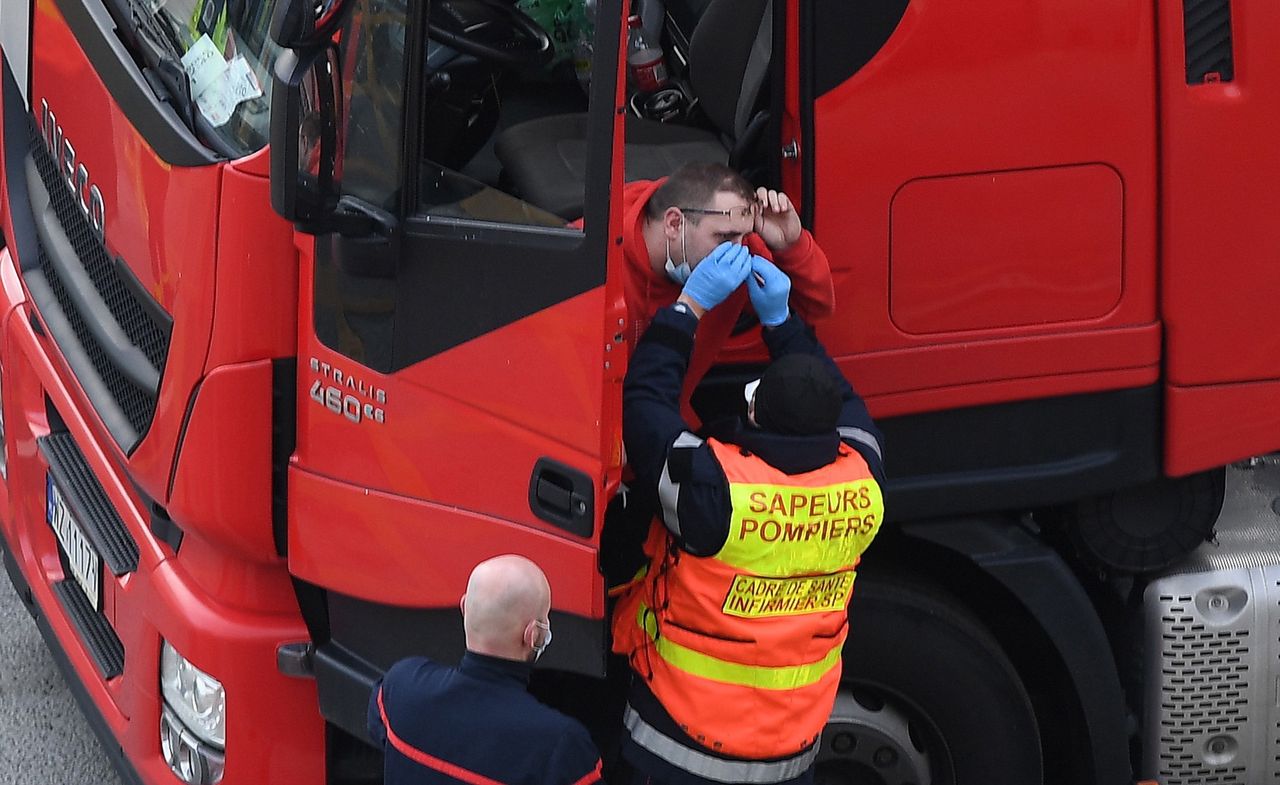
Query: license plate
x=85, y=563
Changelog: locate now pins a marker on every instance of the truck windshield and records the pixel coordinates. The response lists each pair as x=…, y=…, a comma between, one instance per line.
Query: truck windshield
x=227, y=56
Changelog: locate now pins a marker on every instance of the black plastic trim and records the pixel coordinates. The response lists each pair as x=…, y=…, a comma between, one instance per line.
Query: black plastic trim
x=89, y=503
x=284, y=439
x=165, y=529
x=94, y=386
x=84, y=296
x=110, y=744
x=1020, y=455
x=773, y=141
x=805, y=38
x=108, y=327
x=562, y=495
x=31, y=36
x=95, y=631
x=118, y=290
x=16, y=148
x=1210, y=55
x=345, y=682
x=296, y=660
x=1009, y=456
x=847, y=35
x=164, y=131
x=1052, y=596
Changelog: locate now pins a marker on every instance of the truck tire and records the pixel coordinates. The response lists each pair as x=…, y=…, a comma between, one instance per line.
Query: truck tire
x=927, y=698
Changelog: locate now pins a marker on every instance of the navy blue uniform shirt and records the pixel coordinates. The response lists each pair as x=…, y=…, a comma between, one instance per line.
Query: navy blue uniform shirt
x=477, y=724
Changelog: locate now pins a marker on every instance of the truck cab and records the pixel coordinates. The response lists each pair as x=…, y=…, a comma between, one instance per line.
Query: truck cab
x=309, y=307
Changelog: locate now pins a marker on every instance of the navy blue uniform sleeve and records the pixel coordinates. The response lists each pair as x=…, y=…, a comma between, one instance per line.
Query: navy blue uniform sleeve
x=575, y=760
x=675, y=470
x=856, y=426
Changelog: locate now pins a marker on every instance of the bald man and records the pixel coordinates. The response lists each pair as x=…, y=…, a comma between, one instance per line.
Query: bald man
x=477, y=724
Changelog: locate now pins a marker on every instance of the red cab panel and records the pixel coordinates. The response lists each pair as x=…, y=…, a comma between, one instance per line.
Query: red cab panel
x=985, y=188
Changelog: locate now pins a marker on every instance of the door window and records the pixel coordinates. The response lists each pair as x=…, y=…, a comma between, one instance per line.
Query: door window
x=498, y=76
x=423, y=106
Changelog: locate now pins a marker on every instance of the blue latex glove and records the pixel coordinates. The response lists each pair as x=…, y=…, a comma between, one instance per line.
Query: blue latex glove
x=718, y=275
x=769, y=288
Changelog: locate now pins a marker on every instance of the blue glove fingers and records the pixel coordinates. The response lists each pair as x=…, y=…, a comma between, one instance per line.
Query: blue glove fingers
x=770, y=293
x=766, y=269
x=716, y=276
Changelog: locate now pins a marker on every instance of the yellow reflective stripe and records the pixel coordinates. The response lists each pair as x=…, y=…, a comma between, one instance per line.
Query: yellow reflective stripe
x=781, y=677
x=615, y=591
x=783, y=530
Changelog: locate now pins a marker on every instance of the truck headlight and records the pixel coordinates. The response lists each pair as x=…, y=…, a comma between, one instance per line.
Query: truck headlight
x=190, y=759
x=196, y=698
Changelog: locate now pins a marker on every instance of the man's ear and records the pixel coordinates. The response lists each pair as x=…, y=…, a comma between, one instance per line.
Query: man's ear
x=462, y=605
x=672, y=221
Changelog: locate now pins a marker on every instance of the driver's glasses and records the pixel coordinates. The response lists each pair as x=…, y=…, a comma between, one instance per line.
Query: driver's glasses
x=745, y=212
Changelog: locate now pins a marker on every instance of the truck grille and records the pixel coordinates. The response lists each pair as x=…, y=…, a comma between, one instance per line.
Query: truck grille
x=142, y=322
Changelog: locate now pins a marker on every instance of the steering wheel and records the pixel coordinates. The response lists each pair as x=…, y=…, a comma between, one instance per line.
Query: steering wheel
x=490, y=30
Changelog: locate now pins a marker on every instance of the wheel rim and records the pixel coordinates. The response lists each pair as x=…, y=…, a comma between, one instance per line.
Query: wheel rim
x=875, y=739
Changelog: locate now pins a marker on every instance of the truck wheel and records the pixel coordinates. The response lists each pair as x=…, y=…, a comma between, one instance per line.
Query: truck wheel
x=927, y=698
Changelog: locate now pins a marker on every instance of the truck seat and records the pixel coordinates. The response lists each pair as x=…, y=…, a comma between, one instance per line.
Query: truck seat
x=729, y=52
x=546, y=159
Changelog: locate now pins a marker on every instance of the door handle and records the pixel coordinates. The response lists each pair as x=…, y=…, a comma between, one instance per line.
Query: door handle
x=564, y=496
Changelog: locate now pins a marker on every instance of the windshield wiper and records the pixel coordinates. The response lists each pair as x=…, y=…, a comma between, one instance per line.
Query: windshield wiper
x=158, y=54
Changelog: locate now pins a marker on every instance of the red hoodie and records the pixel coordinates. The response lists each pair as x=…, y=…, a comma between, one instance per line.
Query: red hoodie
x=647, y=290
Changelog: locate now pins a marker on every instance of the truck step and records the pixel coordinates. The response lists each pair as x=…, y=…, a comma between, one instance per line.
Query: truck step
x=89, y=503
x=95, y=631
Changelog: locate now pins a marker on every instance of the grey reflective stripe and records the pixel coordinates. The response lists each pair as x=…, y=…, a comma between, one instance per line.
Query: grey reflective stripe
x=862, y=437
x=686, y=440
x=748, y=772
x=669, y=490
x=669, y=494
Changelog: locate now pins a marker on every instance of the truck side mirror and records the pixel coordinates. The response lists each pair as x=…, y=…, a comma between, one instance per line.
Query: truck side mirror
x=303, y=24
x=304, y=133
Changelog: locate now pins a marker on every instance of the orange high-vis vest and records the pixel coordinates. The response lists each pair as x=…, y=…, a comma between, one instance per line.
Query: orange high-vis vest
x=742, y=648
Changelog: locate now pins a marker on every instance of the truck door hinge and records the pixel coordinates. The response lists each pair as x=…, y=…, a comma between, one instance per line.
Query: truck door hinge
x=792, y=150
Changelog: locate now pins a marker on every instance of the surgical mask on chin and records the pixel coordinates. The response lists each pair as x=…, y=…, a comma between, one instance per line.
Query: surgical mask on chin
x=679, y=272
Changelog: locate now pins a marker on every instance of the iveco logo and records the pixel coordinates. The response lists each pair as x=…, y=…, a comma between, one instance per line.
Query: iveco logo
x=73, y=173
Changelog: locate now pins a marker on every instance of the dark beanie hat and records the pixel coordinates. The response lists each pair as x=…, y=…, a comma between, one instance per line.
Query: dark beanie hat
x=797, y=396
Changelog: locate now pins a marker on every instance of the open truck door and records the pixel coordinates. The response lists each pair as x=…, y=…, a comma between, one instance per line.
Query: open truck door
x=459, y=358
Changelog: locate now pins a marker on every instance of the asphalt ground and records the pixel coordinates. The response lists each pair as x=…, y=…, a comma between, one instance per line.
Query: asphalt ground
x=44, y=740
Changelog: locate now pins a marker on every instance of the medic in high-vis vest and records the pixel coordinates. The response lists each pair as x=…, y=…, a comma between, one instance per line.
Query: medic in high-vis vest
x=735, y=626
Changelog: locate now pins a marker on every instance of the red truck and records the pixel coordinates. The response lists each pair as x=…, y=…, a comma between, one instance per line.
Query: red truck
x=298, y=325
